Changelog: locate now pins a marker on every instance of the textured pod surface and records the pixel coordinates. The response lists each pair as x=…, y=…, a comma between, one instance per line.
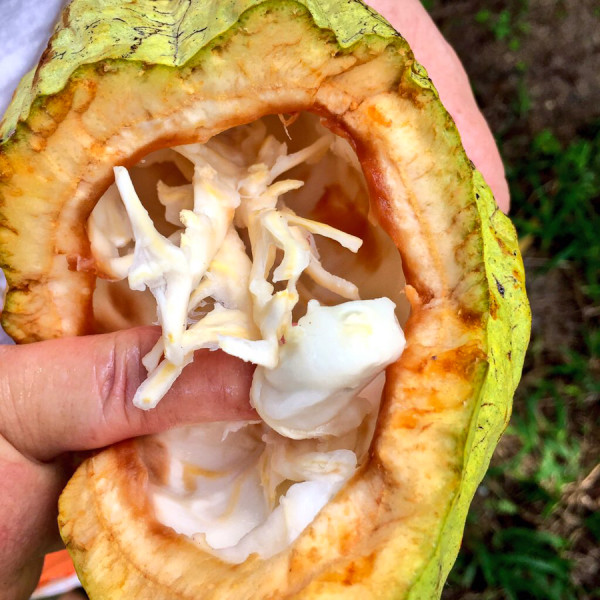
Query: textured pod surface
x=183, y=71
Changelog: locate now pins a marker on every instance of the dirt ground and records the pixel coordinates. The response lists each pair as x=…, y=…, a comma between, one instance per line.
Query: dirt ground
x=550, y=49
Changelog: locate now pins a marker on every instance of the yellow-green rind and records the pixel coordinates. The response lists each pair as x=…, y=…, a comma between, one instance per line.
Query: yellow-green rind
x=168, y=34
x=507, y=332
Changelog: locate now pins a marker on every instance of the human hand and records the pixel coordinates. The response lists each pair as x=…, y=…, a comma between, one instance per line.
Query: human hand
x=62, y=397
x=446, y=71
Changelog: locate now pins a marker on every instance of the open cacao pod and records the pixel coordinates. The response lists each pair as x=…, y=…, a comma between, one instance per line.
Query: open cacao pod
x=120, y=81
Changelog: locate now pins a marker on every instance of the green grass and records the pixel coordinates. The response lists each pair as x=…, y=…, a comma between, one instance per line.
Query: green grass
x=548, y=454
x=508, y=25
x=519, y=563
x=556, y=195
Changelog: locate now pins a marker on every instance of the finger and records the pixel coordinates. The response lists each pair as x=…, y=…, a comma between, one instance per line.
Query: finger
x=76, y=393
x=446, y=71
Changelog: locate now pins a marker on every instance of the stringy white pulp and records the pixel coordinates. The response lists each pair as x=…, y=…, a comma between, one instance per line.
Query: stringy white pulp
x=243, y=488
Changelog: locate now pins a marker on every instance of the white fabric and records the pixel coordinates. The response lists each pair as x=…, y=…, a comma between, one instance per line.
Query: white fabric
x=25, y=27
x=4, y=339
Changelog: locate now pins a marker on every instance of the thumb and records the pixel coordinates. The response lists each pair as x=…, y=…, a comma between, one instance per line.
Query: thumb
x=76, y=393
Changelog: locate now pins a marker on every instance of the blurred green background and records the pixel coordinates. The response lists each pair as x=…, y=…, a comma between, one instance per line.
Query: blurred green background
x=534, y=529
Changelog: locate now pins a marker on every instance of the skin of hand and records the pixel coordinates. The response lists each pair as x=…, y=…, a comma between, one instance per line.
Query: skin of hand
x=63, y=397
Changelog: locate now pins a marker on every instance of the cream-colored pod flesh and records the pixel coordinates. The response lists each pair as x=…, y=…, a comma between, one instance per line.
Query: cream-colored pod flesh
x=121, y=80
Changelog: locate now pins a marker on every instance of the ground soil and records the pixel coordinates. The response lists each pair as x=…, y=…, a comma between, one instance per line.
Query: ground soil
x=556, y=64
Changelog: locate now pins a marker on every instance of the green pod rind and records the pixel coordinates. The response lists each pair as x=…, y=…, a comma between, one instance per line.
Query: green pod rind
x=169, y=33
x=507, y=332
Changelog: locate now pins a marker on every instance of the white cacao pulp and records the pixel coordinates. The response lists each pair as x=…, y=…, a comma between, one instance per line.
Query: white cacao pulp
x=243, y=488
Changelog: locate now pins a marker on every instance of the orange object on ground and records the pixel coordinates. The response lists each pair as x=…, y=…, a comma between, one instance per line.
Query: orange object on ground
x=58, y=575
